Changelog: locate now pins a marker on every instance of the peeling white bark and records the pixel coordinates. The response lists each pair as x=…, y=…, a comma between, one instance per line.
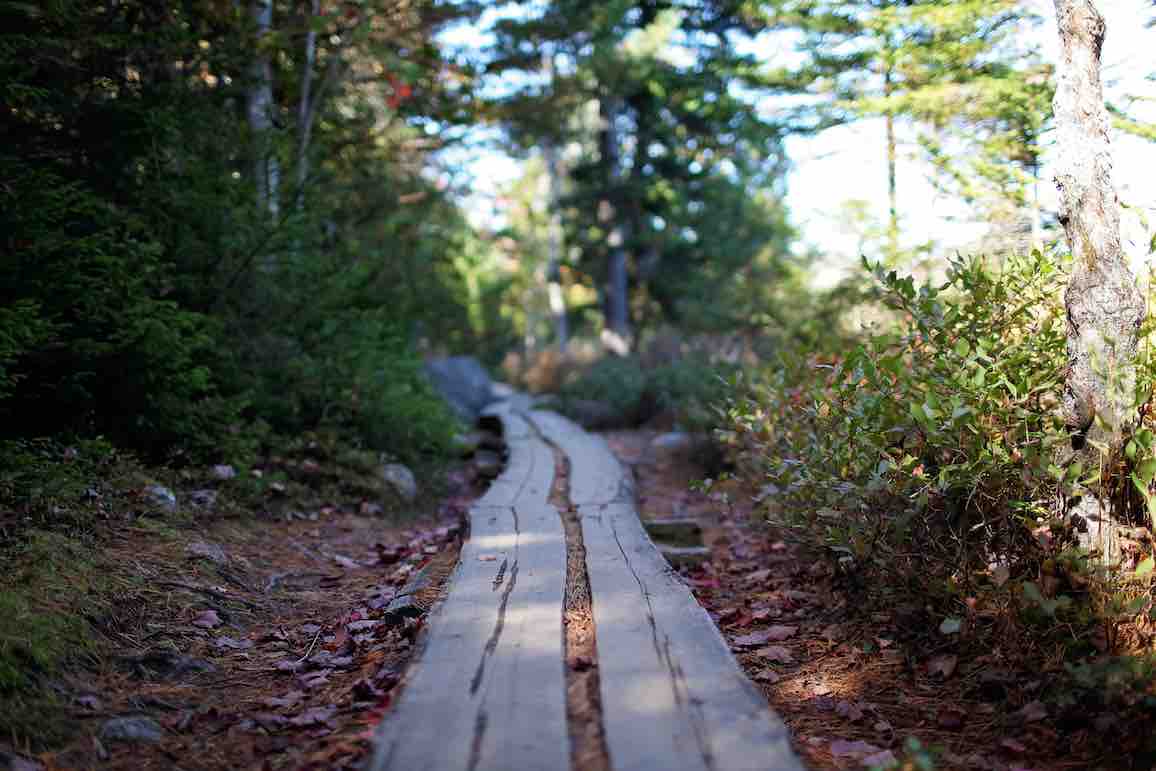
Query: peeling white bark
x=1104, y=306
x=259, y=103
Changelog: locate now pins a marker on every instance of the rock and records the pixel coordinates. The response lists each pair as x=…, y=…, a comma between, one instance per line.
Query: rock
x=685, y=556
x=676, y=532
x=488, y=464
x=134, y=728
x=161, y=497
x=212, y=552
x=463, y=382
x=224, y=472
x=401, y=479
x=167, y=665
x=203, y=499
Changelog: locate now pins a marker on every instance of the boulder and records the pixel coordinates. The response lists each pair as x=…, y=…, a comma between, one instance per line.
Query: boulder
x=400, y=479
x=161, y=497
x=211, y=551
x=134, y=728
x=463, y=382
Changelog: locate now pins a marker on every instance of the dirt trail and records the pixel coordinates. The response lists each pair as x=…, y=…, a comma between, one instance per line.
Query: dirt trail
x=855, y=684
x=252, y=643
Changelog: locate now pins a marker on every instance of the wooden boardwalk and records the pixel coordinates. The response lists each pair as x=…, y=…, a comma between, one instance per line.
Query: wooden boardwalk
x=488, y=687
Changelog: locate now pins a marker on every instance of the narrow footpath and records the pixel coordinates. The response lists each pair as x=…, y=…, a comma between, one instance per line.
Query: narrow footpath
x=566, y=640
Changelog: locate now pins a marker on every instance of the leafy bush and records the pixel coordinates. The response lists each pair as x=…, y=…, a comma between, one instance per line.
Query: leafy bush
x=928, y=448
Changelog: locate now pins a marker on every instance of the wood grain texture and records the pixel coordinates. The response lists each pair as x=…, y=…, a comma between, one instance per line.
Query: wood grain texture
x=487, y=692
x=596, y=476
x=673, y=697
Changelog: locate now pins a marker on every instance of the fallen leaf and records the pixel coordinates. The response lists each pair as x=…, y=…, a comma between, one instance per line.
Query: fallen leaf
x=1032, y=712
x=770, y=634
x=950, y=718
x=487, y=558
x=776, y=653
x=207, y=619
x=313, y=716
x=767, y=676
x=846, y=709
x=942, y=665
x=1013, y=746
x=292, y=698
x=842, y=748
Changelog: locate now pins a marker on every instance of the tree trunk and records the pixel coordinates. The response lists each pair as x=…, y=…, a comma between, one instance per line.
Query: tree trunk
x=1104, y=306
x=266, y=169
x=305, y=107
x=610, y=215
x=554, y=246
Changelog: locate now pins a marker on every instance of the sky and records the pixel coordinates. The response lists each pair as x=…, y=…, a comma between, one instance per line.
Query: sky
x=848, y=163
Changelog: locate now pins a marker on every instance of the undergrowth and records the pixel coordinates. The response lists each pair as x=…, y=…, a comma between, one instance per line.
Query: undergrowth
x=928, y=462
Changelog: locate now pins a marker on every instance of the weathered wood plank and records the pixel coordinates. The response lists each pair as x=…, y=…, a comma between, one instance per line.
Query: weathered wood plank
x=596, y=476
x=529, y=468
x=673, y=697
x=488, y=689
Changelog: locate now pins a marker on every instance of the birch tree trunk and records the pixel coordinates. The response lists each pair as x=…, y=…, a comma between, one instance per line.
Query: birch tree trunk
x=259, y=103
x=305, y=107
x=554, y=246
x=1104, y=306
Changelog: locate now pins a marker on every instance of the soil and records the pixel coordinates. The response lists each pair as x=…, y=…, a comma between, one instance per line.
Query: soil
x=256, y=643
x=857, y=685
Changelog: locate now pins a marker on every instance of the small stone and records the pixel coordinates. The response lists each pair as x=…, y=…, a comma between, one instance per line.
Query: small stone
x=224, y=472
x=161, y=497
x=401, y=479
x=134, y=728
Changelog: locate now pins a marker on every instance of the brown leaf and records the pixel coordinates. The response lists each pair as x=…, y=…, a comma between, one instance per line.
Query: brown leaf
x=1032, y=712
x=207, y=619
x=230, y=644
x=842, y=748
x=770, y=634
x=776, y=653
x=884, y=759
x=950, y=718
x=313, y=716
x=1013, y=746
x=942, y=665
x=849, y=711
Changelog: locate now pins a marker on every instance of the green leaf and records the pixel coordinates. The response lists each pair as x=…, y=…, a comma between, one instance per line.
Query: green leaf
x=962, y=348
x=1145, y=566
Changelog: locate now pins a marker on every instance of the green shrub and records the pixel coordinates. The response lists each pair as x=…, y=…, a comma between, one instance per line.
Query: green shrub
x=927, y=450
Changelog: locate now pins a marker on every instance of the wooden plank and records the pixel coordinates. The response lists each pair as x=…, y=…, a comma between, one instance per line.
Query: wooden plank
x=596, y=475
x=488, y=689
x=673, y=697
x=529, y=468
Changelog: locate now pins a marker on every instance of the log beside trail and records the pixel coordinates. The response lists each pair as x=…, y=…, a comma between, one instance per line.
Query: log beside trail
x=488, y=686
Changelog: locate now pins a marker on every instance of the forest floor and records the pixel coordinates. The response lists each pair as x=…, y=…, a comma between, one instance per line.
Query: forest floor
x=857, y=685
x=247, y=640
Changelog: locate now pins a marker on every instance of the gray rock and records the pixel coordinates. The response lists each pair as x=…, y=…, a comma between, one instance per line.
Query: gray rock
x=212, y=552
x=134, y=728
x=167, y=665
x=401, y=479
x=675, y=532
x=675, y=441
x=224, y=472
x=593, y=415
x=463, y=382
x=685, y=556
x=203, y=499
x=161, y=497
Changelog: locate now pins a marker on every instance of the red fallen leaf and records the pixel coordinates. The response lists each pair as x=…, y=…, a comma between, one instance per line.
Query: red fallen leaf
x=1013, y=746
x=710, y=582
x=776, y=653
x=207, y=619
x=943, y=665
x=758, y=576
x=762, y=614
x=354, y=616
x=842, y=748
x=779, y=632
x=726, y=614
x=313, y=716
x=950, y=718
